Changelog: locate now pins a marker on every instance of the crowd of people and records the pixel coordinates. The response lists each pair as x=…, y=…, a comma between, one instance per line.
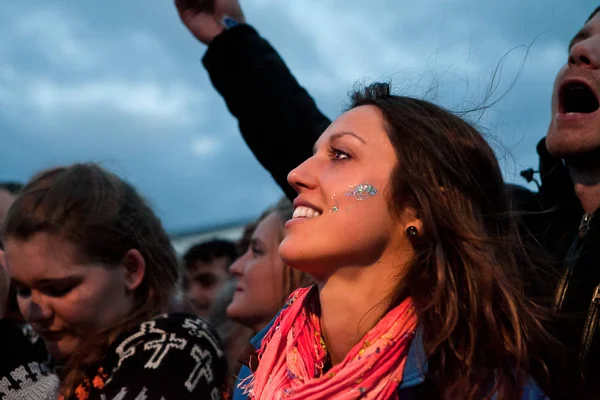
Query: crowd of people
x=400, y=265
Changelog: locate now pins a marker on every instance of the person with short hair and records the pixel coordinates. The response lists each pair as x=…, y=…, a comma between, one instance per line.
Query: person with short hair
x=207, y=266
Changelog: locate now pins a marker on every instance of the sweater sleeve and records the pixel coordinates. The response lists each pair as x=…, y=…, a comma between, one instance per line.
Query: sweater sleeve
x=175, y=357
x=278, y=119
x=22, y=374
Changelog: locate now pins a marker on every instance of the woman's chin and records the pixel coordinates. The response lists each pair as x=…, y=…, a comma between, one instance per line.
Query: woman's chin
x=290, y=254
x=235, y=308
x=60, y=350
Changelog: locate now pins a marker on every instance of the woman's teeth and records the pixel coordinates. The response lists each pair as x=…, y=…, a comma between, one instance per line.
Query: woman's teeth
x=305, y=212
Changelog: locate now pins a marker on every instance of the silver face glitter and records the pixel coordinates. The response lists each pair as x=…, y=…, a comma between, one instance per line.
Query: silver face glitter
x=333, y=209
x=362, y=191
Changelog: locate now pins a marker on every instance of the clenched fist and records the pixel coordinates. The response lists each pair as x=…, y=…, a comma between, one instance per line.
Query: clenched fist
x=204, y=18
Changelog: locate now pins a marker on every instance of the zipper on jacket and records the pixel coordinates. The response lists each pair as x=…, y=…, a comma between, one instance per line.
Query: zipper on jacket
x=584, y=226
x=563, y=284
x=591, y=325
x=565, y=279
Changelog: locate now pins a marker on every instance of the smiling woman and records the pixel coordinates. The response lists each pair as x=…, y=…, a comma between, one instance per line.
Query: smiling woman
x=94, y=272
x=402, y=218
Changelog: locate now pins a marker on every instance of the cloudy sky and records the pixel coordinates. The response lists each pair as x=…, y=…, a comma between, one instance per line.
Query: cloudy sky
x=120, y=83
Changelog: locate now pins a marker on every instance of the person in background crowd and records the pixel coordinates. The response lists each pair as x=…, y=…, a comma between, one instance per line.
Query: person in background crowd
x=23, y=373
x=263, y=281
x=25, y=351
x=234, y=335
x=6, y=200
x=94, y=271
x=246, y=238
x=207, y=266
x=273, y=108
x=8, y=192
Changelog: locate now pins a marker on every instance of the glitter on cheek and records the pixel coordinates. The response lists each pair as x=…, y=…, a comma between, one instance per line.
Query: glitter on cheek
x=362, y=191
x=335, y=208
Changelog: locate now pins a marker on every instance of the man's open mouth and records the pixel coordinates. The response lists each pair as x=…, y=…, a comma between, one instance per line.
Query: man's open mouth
x=577, y=97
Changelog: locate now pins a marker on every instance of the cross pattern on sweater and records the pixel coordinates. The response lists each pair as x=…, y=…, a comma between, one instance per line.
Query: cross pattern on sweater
x=200, y=329
x=162, y=346
x=202, y=368
x=127, y=348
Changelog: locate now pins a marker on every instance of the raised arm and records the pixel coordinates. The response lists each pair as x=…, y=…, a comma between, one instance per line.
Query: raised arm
x=278, y=119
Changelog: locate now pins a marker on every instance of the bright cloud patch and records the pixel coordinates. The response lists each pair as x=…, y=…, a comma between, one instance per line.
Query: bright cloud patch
x=205, y=146
x=154, y=100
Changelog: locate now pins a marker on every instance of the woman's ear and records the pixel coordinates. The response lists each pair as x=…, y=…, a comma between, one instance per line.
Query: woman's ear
x=134, y=269
x=412, y=219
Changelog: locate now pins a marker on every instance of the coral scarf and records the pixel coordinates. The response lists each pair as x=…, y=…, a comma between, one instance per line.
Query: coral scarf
x=293, y=355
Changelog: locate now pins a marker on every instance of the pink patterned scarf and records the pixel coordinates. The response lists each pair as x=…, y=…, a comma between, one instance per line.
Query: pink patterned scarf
x=293, y=354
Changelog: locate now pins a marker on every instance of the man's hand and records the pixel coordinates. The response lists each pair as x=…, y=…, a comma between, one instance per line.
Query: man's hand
x=204, y=18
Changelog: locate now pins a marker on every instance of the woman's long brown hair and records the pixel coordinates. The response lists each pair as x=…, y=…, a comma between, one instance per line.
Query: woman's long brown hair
x=481, y=334
x=104, y=217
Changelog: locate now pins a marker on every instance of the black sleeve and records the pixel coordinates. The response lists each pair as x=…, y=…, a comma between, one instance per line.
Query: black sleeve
x=278, y=119
x=170, y=358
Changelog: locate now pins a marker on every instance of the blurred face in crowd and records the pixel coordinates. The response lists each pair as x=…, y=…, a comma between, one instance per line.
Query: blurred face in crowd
x=260, y=274
x=4, y=286
x=342, y=216
x=67, y=300
x=205, y=281
x=6, y=200
x=575, y=124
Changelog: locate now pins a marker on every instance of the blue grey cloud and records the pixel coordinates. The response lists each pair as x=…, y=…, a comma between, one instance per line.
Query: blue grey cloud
x=121, y=83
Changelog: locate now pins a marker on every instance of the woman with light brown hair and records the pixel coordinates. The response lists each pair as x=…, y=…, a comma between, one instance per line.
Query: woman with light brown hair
x=402, y=219
x=263, y=281
x=94, y=271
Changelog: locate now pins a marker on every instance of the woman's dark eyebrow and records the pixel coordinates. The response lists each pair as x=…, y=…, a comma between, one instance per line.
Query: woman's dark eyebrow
x=338, y=135
x=49, y=281
x=59, y=281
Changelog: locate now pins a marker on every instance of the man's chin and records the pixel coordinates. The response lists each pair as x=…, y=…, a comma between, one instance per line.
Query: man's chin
x=566, y=143
x=201, y=310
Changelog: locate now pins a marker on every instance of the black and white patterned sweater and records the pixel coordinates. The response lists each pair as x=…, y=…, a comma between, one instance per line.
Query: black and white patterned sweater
x=171, y=357
x=23, y=373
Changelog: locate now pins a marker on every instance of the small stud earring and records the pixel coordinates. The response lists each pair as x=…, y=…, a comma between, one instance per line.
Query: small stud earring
x=412, y=231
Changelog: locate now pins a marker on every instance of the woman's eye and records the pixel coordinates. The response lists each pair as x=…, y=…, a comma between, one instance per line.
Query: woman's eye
x=256, y=250
x=338, y=155
x=59, y=291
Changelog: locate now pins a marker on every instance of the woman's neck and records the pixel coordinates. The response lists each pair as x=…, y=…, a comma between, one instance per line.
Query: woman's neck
x=352, y=301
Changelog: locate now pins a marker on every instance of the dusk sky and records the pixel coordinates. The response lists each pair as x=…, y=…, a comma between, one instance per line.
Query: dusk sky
x=121, y=83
